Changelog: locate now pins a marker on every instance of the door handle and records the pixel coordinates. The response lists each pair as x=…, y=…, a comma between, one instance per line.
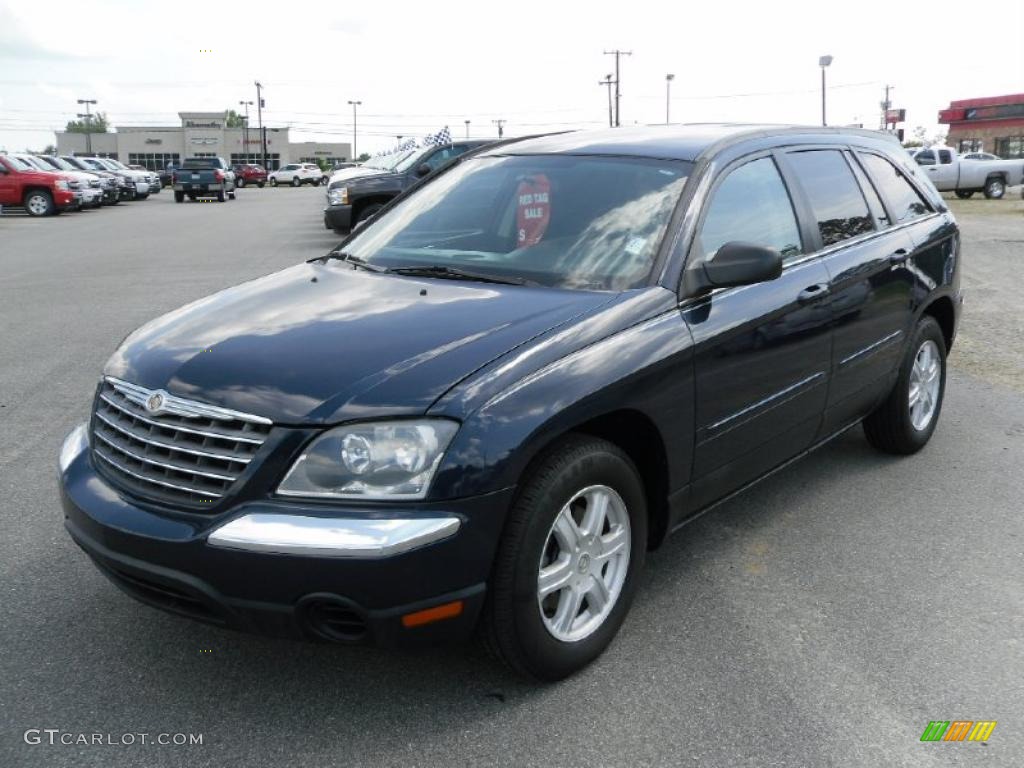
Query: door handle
x=898, y=256
x=812, y=293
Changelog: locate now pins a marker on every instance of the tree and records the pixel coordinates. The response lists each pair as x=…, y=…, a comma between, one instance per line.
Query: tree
x=235, y=120
x=363, y=157
x=97, y=124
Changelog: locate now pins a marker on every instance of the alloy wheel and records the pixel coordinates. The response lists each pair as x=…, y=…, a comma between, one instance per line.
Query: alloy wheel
x=925, y=378
x=584, y=563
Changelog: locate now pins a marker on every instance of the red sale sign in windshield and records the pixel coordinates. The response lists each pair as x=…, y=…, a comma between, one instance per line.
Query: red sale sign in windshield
x=534, y=210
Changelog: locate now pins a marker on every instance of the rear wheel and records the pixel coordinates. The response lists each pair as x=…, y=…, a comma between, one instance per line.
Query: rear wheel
x=259, y=184
x=39, y=202
x=231, y=195
x=964, y=194
x=220, y=196
x=273, y=181
x=568, y=561
x=904, y=423
x=995, y=189
x=296, y=182
x=240, y=182
x=179, y=197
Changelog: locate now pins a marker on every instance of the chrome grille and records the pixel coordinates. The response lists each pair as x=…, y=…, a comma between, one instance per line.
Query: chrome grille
x=168, y=449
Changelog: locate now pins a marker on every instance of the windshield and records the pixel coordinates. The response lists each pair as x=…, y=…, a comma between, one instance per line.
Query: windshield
x=411, y=159
x=18, y=163
x=115, y=164
x=57, y=162
x=564, y=221
x=387, y=162
x=36, y=163
x=91, y=162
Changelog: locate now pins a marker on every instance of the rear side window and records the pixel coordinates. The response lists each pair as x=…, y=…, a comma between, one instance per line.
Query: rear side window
x=903, y=199
x=836, y=199
x=752, y=205
x=945, y=157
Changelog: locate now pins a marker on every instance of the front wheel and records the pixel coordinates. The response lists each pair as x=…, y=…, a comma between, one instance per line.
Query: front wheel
x=39, y=202
x=260, y=184
x=964, y=194
x=296, y=182
x=569, y=559
x=995, y=189
x=905, y=421
x=220, y=196
x=239, y=182
x=273, y=182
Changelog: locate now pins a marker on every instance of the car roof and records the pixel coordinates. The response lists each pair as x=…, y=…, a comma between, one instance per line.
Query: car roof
x=675, y=142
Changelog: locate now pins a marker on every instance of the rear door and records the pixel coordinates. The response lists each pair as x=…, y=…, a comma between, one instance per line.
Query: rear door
x=870, y=285
x=762, y=352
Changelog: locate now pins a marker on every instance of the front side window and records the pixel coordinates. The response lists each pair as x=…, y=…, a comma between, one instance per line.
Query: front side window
x=925, y=157
x=583, y=222
x=904, y=200
x=750, y=205
x=836, y=199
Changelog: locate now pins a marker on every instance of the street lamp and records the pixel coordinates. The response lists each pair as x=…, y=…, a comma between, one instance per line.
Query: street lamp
x=88, y=124
x=355, y=134
x=823, y=62
x=467, y=129
x=245, y=127
x=668, y=91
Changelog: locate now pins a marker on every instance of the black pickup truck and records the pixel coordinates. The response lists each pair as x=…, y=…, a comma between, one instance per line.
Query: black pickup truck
x=203, y=177
x=361, y=197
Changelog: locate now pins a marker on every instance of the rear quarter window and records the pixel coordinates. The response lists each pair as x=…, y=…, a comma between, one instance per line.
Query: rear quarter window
x=839, y=207
x=904, y=201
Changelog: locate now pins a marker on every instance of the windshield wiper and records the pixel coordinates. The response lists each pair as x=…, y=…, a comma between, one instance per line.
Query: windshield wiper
x=342, y=256
x=454, y=273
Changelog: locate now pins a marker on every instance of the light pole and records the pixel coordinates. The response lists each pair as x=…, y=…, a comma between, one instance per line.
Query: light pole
x=618, y=55
x=246, y=129
x=668, y=95
x=501, y=126
x=259, y=115
x=823, y=62
x=467, y=129
x=355, y=132
x=608, y=82
x=88, y=124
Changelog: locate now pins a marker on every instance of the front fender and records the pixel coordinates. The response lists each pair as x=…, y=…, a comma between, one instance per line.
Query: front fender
x=647, y=368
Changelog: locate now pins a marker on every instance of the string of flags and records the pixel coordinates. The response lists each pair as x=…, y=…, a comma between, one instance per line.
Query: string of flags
x=439, y=139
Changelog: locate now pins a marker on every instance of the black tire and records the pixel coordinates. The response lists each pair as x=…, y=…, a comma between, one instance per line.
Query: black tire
x=296, y=182
x=995, y=189
x=39, y=202
x=231, y=195
x=260, y=184
x=890, y=428
x=367, y=211
x=240, y=182
x=142, y=197
x=512, y=627
x=964, y=194
x=273, y=182
x=179, y=197
x=220, y=196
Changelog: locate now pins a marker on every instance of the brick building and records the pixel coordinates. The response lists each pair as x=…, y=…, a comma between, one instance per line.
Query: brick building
x=991, y=124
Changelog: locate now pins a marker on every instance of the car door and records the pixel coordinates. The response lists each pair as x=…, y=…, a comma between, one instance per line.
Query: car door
x=869, y=283
x=761, y=352
x=8, y=185
x=945, y=173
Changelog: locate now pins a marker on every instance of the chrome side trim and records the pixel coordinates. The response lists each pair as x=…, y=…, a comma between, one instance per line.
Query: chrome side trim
x=209, y=494
x=178, y=427
x=776, y=396
x=870, y=347
x=330, y=536
x=179, y=406
x=171, y=446
x=74, y=444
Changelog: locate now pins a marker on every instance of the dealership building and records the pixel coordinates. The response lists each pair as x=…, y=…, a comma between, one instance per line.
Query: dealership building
x=991, y=124
x=201, y=134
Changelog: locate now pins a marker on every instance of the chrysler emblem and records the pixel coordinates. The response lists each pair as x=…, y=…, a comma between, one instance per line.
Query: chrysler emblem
x=154, y=402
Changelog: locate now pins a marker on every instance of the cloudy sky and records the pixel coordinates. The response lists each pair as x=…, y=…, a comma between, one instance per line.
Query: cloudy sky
x=418, y=66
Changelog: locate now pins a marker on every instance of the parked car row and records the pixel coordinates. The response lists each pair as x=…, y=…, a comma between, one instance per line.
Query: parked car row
x=48, y=184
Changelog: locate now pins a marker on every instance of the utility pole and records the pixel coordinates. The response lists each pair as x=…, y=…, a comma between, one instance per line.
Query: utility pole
x=246, y=129
x=88, y=124
x=467, y=129
x=886, y=106
x=608, y=82
x=501, y=126
x=259, y=112
x=668, y=96
x=618, y=55
x=355, y=129
x=824, y=62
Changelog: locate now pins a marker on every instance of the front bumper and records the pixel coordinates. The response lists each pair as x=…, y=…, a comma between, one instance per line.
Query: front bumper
x=338, y=217
x=166, y=559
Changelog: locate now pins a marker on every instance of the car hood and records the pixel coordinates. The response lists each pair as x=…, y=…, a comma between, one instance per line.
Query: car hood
x=355, y=173
x=323, y=343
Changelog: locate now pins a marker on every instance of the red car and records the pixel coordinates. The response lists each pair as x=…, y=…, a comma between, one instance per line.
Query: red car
x=42, y=193
x=249, y=174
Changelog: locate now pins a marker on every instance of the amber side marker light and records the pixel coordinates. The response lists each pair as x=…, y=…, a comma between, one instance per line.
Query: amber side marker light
x=430, y=615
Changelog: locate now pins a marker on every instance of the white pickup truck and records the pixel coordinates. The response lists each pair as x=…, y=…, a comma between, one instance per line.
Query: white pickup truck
x=950, y=173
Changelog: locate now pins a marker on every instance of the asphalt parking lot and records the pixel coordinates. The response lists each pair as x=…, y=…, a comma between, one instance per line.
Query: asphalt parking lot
x=822, y=619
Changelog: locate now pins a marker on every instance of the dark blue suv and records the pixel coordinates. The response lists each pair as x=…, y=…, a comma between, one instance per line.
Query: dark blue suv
x=485, y=406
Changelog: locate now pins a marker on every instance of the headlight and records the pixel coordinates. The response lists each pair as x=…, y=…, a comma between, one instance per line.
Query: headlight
x=378, y=460
x=338, y=196
x=61, y=184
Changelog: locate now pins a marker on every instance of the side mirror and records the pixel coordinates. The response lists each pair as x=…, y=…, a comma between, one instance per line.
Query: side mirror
x=423, y=170
x=735, y=263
